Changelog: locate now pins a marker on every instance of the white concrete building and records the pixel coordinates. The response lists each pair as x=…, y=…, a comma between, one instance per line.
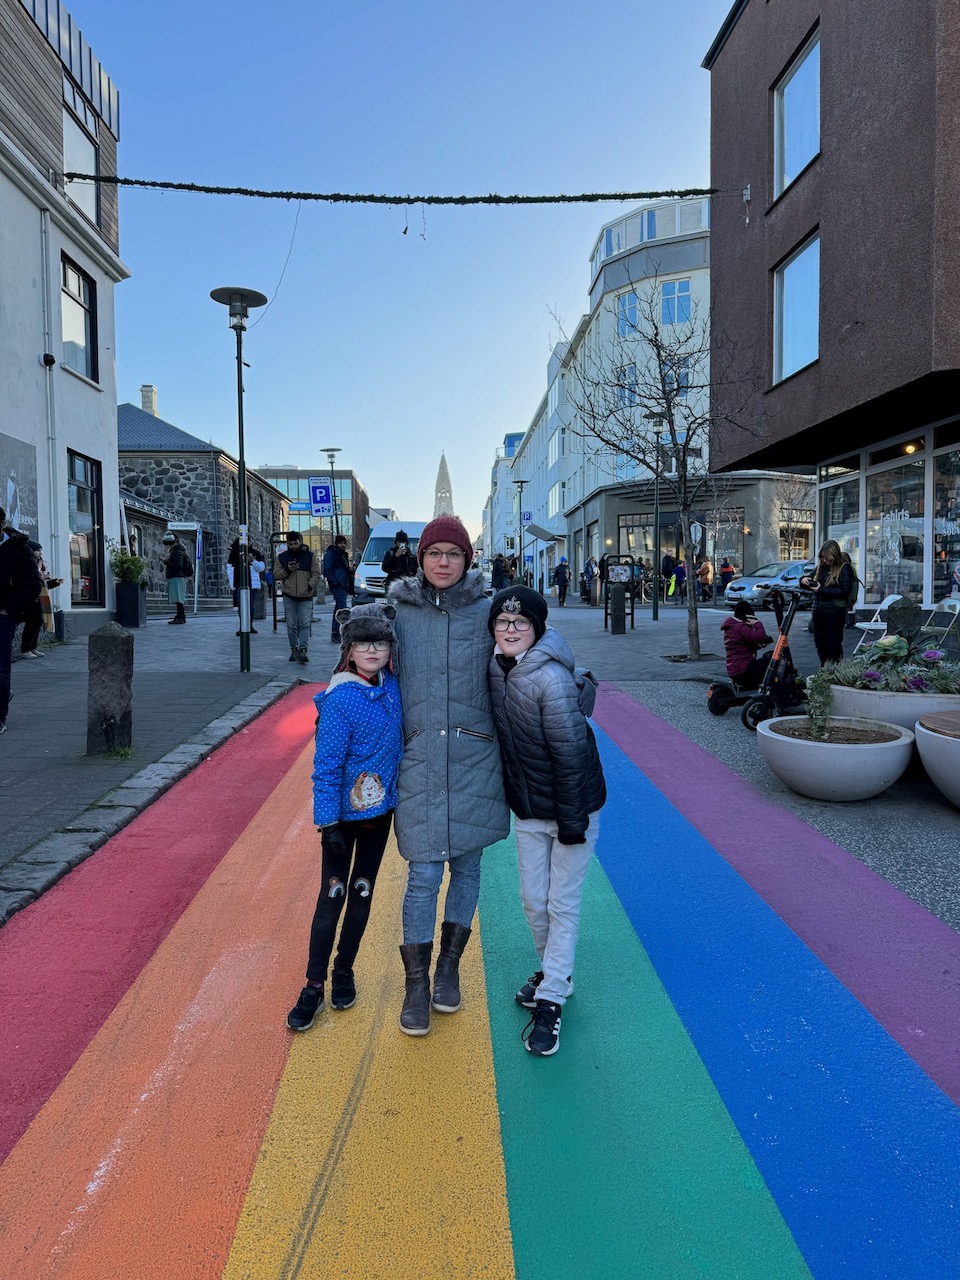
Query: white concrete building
x=59, y=264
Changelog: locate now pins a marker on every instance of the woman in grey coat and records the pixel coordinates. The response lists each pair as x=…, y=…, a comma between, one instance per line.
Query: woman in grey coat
x=451, y=802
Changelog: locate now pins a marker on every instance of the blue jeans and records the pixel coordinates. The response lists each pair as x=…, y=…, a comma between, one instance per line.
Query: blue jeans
x=339, y=602
x=297, y=615
x=423, y=888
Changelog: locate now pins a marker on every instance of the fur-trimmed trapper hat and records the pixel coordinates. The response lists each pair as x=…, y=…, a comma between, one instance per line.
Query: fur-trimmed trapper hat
x=372, y=621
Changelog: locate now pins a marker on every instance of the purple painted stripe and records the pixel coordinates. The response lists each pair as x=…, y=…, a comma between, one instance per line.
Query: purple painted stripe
x=901, y=962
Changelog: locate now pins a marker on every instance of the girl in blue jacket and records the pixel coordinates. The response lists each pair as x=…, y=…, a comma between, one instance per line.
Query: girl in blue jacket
x=358, y=747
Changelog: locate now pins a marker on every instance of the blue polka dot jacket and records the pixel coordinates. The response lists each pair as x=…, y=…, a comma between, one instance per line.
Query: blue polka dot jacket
x=359, y=743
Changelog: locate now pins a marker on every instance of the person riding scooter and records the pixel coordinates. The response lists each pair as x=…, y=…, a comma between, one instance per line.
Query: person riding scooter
x=743, y=636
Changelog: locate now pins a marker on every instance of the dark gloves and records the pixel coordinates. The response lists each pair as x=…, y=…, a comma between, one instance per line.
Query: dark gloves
x=571, y=837
x=334, y=841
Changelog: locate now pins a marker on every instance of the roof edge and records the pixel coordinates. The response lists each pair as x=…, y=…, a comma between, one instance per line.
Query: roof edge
x=723, y=35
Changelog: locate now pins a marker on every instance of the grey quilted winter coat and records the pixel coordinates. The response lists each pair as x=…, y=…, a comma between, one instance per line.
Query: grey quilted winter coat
x=551, y=766
x=450, y=785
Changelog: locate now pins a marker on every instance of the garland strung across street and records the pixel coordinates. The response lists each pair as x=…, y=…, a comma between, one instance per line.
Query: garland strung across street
x=339, y=197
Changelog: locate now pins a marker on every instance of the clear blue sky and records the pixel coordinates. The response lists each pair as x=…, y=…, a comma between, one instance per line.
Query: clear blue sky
x=391, y=346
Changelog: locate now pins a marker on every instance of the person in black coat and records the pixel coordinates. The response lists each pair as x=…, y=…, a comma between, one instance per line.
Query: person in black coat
x=20, y=586
x=399, y=562
x=554, y=784
x=177, y=567
x=833, y=584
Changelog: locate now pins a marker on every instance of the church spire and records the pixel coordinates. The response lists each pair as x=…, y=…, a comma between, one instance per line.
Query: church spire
x=443, y=496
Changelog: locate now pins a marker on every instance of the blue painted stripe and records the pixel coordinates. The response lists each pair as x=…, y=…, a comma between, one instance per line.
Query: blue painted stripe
x=859, y=1148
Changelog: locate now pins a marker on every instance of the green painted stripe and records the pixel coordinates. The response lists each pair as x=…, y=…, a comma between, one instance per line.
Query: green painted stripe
x=621, y=1159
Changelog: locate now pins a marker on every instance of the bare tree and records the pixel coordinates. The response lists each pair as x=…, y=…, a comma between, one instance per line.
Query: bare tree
x=795, y=499
x=642, y=391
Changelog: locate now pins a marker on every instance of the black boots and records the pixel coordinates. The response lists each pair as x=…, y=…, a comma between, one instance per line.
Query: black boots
x=181, y=616
x=415, y=1014
x=446, y=979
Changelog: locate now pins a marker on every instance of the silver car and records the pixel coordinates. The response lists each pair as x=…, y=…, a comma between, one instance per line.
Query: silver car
x=755, y=587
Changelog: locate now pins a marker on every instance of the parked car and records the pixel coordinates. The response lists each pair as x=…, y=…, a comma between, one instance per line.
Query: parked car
x=756, y=587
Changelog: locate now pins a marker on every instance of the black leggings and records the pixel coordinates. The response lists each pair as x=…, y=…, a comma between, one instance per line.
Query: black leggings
x=828, y=625
x=340, y=884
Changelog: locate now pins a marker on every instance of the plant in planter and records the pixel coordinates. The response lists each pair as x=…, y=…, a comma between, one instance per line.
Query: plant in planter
x=129, y=571
x=900, y=676
x=831, y=757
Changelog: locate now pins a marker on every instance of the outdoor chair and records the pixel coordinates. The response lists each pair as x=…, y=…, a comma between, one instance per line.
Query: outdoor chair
x=876, y=626
x=943, y=622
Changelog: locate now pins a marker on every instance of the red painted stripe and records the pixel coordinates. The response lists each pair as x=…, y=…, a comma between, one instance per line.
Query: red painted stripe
x=68, y=959
x=900, y=961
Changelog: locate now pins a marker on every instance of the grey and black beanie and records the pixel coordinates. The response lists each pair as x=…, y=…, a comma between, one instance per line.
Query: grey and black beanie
x=372, y=621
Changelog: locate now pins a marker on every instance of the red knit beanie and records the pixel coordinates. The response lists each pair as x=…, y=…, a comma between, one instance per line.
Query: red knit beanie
x=445, y=529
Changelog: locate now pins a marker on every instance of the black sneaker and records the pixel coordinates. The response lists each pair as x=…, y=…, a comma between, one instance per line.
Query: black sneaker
x=302, y=655
x=303, y=1013
x=542, y=1033
x=293, y=655
x=527, y=995
x=343, y=989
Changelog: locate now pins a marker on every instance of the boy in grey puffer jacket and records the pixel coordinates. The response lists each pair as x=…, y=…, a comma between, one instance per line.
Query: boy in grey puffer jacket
x=554, y=784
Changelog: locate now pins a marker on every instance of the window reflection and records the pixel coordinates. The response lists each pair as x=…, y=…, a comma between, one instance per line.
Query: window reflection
x=946, y=526
x=895, y=550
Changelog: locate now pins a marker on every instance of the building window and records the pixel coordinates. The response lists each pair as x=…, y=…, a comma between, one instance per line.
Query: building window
x=676, y=377
x=946, y=525
x=796, y=311
x=797, y=116
x=625, y=377
x=85, y=498
x=626, y=314
x=554, y=449
x=78, y=312
x=675, y=302
x=895, y=518
x=555, y=499
x=81, y=155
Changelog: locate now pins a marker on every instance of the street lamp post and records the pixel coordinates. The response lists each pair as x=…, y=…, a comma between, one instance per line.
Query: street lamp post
x=655, y=417
x=331, y=458
x=239, y=302
x=520, y=487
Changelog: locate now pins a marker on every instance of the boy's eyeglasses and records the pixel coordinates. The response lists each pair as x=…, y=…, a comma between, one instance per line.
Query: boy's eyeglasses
x=435, y=556
x=371, y=646
x=519, y=624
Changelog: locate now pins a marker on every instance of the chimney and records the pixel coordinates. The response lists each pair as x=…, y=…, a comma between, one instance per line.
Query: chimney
x=148, y=399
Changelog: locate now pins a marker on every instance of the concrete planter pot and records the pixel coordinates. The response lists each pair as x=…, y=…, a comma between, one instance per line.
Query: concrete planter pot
x=132, y=604
x=904, y=709
x=940, y=754
x=832, y=770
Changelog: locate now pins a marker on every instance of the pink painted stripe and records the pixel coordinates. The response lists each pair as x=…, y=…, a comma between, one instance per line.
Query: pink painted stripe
x=901, y=962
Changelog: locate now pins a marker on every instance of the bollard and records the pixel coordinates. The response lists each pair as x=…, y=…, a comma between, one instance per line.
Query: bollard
x=618, y=608
x=109, y=690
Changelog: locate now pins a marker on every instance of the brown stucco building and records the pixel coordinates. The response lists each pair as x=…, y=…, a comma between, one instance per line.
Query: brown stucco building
x=835, y=151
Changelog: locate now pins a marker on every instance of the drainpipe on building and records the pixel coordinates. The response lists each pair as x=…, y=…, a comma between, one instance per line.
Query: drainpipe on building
x=54, y=557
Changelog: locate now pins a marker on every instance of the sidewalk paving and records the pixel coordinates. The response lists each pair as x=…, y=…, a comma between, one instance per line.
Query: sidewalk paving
x=190, y=696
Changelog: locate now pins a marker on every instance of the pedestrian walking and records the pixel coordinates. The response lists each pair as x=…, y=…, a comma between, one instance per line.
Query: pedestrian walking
x=834, y=584
x=298, y=569
x=255, y=567
x=359, y=742
x=177, y=567
x=561, y=577
x=451, y=801
x=554, y=786
x=728, y=572
x=19, y=587
x=337, y=573
x=680, y=582
x=499, y=572
x=591, y=574
x=40, y=612
x=705, y=580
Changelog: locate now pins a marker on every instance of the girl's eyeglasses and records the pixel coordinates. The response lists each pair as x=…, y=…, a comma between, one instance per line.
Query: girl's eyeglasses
x=371, y=646
x=519, y=624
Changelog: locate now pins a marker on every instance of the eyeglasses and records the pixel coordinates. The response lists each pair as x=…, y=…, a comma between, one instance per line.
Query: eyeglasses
x=434, y=556
x=519, y=624
x=371, y=646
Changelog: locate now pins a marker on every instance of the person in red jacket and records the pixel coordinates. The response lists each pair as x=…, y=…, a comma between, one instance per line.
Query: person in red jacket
x=743, y=636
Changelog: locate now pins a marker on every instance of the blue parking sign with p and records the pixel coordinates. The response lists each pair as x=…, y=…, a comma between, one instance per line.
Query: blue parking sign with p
x=321, y=497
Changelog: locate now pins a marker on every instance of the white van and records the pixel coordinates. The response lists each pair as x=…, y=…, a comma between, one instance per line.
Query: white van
x=369, y=579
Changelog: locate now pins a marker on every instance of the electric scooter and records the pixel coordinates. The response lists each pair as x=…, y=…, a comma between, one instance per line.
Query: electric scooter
x=777, y=693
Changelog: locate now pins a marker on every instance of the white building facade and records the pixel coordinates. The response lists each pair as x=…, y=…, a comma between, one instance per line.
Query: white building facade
x=59, y=265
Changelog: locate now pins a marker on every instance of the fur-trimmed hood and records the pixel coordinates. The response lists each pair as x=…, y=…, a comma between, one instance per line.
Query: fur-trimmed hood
x=417, y=591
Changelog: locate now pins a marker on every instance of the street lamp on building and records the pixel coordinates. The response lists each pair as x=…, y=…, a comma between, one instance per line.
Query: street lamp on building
x=658, y=431
x=520, y=487
x=239, y=302
x=331, y=453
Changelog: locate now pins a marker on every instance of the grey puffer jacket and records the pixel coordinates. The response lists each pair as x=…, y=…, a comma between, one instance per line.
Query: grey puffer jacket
x=551, y=766
x=450, y=785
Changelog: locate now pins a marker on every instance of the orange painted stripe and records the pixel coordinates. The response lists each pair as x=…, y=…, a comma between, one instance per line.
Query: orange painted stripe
x=138, y=1164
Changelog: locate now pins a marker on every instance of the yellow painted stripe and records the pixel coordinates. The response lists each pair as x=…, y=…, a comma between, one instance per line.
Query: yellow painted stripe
x=382, y=1156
